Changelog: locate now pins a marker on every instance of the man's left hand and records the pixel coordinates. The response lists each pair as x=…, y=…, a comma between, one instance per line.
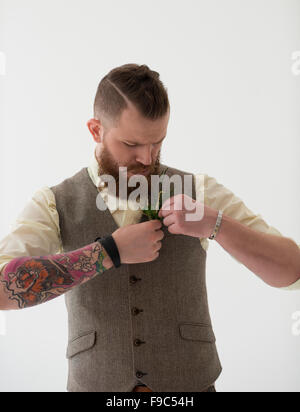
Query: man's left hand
x=175, y=211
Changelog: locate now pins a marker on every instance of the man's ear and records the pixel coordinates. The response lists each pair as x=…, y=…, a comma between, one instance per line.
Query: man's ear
x=96, y=129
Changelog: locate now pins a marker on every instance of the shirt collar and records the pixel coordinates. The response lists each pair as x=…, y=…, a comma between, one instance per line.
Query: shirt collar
x=93, y=171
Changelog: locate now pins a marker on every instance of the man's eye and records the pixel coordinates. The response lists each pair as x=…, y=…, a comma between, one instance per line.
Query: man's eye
x=130, y=145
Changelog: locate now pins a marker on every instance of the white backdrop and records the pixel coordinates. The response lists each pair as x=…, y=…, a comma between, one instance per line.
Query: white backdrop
x=235, y=102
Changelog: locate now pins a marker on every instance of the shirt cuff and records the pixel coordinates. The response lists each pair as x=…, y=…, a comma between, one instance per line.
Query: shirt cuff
x=294, y=286
x=4, y=262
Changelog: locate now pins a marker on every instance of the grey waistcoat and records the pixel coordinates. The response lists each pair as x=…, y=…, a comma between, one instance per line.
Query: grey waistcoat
x=146, y=322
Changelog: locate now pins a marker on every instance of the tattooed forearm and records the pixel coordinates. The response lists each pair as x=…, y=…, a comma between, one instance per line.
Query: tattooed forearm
x=30, y=281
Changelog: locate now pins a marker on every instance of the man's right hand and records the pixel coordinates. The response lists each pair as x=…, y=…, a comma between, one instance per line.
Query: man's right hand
x=139, y=243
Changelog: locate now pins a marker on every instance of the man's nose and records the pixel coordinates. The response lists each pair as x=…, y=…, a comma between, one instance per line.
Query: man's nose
x=145, y=156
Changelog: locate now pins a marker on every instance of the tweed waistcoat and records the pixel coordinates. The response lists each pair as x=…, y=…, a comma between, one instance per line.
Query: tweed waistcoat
x=146, y=322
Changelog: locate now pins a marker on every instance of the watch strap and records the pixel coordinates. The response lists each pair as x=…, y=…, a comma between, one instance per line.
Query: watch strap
x=109, y=244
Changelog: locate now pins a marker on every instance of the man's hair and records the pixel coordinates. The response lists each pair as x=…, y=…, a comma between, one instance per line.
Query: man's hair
x=132, y=83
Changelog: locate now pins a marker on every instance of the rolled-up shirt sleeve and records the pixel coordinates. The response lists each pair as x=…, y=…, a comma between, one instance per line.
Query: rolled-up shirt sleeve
x=219, y=197
x=35, y=231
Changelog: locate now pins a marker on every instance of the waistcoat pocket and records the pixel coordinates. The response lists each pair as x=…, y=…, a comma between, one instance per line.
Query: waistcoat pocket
x=197, y=331
x=81, y=344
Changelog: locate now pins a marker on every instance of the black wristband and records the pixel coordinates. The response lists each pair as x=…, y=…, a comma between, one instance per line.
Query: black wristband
x=111, y=248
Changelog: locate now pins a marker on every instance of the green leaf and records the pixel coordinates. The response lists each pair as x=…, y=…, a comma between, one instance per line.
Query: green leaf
x=153, y=214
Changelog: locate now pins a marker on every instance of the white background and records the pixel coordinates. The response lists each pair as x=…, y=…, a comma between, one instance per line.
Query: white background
x=235, y=116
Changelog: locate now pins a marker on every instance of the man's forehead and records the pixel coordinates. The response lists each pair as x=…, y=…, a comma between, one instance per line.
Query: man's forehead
x=142, y=133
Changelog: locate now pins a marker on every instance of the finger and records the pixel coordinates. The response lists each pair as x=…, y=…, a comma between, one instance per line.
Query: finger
x=158, y=246
x=156, y=223
x=172, y=229
x=156, y=255
x=169, y=220
x=160, y=235
x=164, y=213
x=168, y=203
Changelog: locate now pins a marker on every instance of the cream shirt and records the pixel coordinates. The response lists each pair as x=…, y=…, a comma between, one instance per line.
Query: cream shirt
x=36, y=231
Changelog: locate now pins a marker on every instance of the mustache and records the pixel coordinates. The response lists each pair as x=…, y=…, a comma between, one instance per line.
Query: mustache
x=145, y=169
x=152, y=167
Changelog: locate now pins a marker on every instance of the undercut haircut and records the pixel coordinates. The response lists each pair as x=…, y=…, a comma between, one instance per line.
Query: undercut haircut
x=130, y=83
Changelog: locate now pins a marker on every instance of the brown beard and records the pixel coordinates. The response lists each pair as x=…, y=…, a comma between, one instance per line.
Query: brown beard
x=108, y=166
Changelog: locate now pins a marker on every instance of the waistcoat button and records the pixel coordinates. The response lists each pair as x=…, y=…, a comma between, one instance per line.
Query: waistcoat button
x=140, y=374
x=136, y=311
x=134, y=279
x=138, y=342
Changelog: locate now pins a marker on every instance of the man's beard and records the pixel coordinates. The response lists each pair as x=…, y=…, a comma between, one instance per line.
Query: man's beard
x=108, y=166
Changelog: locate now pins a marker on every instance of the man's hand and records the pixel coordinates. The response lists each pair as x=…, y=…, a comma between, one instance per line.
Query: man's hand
x=139, y=243
x=176, y=210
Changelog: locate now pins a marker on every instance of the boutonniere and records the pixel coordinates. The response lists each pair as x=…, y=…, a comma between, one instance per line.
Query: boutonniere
x=152, y=214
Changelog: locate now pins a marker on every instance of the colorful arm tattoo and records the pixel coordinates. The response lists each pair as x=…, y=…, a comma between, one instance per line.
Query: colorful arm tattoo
x=30, y=281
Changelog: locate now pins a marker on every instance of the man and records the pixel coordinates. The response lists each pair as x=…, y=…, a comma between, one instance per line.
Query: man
x=135, y=289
